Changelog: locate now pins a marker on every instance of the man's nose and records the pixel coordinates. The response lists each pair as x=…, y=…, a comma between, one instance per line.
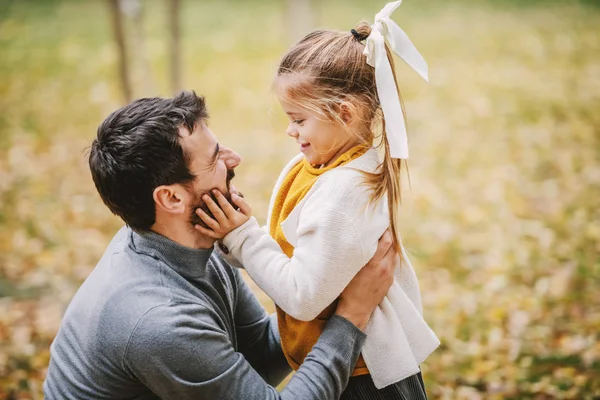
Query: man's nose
x=230, y=157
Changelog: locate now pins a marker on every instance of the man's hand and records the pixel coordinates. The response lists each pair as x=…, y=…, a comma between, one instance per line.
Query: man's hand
x=368, y=288
x=226, y=218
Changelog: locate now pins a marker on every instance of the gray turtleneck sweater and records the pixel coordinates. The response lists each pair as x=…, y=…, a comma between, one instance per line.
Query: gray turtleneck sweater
x=155, y=319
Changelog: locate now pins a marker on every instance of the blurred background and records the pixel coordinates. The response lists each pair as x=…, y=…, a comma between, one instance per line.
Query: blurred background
x=502, y=217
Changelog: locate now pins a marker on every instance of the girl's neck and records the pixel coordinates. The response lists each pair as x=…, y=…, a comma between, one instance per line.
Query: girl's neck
x=349, y=144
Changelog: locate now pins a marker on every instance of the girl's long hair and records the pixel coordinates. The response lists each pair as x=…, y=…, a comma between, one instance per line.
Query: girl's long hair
x=327, y=71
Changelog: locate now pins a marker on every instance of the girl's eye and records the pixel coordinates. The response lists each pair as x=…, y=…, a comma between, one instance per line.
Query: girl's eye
x=298, y=121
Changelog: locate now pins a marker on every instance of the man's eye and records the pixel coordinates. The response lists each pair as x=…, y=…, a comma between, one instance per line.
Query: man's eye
x=216, y=162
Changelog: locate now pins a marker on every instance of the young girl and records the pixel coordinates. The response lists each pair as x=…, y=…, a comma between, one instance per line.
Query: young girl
x=331, y=204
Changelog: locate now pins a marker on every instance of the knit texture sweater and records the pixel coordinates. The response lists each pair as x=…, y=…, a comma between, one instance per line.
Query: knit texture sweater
x=298, y=337
x=334, y=230
x=157, y=320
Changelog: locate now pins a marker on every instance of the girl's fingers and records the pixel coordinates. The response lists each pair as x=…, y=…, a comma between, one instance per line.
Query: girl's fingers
x=225, y=205
x=242, y=204
x=208, y=220
x=214, y=208
x=206, y=232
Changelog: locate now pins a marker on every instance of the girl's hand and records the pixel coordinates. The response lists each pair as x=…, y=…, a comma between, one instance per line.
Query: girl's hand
x=226, y=217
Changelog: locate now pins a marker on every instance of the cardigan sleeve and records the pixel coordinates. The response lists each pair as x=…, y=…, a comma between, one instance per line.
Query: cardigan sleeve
x=228, y=257
x=337, y=235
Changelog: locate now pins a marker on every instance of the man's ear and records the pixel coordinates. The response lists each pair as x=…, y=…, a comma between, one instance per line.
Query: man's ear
x=170, y=198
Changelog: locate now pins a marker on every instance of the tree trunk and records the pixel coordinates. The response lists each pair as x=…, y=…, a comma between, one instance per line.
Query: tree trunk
x=300, y=17
x=120, y=39
x=175, y=45
x=144, y=84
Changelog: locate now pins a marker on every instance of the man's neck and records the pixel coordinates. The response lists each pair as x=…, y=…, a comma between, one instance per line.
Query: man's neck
x=183, y=234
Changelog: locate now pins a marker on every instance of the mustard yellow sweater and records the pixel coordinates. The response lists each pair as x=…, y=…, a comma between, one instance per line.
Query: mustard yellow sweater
x=298, y=337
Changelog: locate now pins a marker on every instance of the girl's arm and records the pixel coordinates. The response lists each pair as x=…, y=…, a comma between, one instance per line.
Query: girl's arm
x=336, y=238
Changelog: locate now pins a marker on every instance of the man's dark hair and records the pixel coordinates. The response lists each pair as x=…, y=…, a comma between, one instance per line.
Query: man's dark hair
x=137, y=149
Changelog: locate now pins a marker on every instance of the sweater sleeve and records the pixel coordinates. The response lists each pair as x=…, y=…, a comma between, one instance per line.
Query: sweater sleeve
x=180, y=352
x=336, y=236
x=257, y=335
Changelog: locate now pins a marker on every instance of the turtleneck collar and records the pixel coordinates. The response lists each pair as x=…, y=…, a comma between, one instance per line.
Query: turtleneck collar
x=186, y=261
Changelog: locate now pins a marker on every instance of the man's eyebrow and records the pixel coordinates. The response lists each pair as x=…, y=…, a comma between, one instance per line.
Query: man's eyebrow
x=215, y=156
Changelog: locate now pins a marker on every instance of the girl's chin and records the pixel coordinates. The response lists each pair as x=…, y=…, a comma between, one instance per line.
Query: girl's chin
x=315, y=162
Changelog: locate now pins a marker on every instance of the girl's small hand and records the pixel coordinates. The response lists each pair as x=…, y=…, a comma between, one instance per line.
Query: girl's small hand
x=226, y=217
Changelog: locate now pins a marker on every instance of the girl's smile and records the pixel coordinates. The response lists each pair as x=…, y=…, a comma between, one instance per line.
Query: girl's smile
x=304, y=146
x=321, y=141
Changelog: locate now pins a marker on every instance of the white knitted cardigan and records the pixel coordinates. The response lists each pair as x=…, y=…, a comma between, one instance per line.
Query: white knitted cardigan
x=334, y=231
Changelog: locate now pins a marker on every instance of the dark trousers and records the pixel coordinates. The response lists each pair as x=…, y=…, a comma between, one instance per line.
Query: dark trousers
x=362, y=388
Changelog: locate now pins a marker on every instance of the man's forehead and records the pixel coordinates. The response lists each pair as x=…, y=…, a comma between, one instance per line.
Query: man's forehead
x=200, y=146
x=199, y=127
x=200, y=136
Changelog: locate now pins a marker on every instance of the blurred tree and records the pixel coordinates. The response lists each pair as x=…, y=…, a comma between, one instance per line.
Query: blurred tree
x=120, y=39
x=133, y=9
x=300, y=17
x=175, y=45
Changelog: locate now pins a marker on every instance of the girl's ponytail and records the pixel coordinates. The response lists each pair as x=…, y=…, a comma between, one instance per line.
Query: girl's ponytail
x=387, y=179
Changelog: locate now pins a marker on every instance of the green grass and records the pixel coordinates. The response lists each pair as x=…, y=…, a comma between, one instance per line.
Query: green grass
x=503, y=219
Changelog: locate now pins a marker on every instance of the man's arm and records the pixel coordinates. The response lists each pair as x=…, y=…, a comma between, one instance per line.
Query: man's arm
x=258, y=335
x=181, y=352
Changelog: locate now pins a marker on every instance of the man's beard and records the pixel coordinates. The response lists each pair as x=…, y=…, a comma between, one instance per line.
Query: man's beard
x=199, y=203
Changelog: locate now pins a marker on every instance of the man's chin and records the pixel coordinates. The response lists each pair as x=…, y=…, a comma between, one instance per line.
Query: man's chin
x=196, y=220
x=233, y=190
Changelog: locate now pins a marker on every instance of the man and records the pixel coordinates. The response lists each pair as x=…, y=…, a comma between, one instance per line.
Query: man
x=162, y=315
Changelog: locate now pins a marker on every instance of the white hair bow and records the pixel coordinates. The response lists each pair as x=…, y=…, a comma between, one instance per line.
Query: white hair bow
x=385, y=29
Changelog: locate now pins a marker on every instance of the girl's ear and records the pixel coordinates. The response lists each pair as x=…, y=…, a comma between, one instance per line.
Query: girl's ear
x=347, y=112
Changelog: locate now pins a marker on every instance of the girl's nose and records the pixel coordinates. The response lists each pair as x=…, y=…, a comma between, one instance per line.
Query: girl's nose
x=291, y=132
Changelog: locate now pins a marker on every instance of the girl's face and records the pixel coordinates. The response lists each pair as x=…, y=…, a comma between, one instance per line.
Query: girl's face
x=321, y=141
